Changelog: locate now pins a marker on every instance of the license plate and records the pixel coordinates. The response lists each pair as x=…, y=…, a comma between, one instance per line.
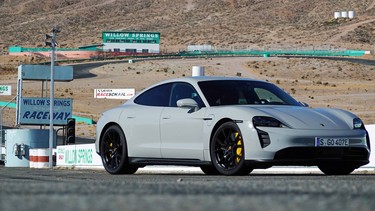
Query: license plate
x=331, y=142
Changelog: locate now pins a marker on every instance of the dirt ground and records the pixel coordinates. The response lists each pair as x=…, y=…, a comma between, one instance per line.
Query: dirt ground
x=346, y=83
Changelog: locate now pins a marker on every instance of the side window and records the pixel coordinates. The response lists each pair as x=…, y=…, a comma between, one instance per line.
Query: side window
x=264, y=94
x=181, y=91
x=157, y=96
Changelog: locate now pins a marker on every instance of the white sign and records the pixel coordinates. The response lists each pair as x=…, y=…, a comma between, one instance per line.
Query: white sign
x=5, y=90
x=125, y=94
x=35, y=111
x=78, y=155
x=43, y=72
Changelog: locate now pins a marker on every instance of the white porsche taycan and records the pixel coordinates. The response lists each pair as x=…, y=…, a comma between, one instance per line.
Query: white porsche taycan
x=228, y=126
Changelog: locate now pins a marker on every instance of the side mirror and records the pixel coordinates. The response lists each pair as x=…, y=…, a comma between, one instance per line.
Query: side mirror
x=188, y=103
x=304, y=104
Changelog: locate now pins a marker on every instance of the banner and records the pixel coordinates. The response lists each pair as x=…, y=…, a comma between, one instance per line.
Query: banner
x=124, y=94
x=78, y=155
x=35, y=111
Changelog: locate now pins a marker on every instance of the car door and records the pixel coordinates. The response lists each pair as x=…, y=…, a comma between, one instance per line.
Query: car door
x=143, y=122
x=182, y=128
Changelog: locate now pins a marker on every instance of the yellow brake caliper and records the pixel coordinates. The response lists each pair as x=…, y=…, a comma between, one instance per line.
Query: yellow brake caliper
x=239, y=148
x=110, y=145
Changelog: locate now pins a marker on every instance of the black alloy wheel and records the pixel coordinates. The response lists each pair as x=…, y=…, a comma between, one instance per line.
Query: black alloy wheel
x=227, y=150
x=113, y=152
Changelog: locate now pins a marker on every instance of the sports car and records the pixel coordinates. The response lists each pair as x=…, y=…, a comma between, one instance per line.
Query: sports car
x=228, y=126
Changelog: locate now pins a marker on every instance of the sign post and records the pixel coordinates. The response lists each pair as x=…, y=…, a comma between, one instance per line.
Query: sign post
x=53, y=43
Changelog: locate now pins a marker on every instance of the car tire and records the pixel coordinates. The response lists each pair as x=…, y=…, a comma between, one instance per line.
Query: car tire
x=227, y=150
x=336, y=169
x=245, y=170
x=113, y=151
x=210, y=170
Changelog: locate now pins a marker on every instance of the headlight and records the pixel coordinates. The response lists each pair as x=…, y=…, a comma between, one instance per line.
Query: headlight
x=264, y=121
x=357, y=123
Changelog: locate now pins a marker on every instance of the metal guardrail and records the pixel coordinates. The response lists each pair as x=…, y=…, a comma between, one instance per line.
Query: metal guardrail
x=197, y=53
x=277, y=52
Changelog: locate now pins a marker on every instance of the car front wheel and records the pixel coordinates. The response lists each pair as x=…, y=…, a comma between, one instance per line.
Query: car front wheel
x=113, y=152
x=227, y=150
x=336, y=169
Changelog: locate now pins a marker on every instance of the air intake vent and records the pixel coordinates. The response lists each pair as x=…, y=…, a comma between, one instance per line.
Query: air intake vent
x=264, y=138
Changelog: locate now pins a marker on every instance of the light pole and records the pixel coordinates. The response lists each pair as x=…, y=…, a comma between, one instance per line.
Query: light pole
x=53, y=44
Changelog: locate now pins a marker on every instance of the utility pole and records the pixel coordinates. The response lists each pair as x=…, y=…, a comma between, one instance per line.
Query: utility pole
x=53, y=44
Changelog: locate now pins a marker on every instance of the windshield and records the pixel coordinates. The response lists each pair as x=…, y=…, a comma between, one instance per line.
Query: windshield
x=238, y=92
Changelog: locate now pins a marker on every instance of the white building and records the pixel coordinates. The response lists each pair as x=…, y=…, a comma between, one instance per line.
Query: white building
x=131, y=42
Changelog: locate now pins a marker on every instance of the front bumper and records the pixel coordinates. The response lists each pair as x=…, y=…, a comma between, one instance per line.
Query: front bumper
x=298, y=147
x=313, y=156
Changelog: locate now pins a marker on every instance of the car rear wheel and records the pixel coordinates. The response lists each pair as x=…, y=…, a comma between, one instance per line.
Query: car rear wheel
x=227, y=150
x=209, y=170
x=113, y=152
x=336, y=169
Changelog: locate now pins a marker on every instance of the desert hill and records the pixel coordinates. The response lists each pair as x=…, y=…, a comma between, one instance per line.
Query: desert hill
x=222, y=23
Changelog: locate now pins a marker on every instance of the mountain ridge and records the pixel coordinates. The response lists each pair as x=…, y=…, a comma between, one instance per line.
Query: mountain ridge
x=222, y=23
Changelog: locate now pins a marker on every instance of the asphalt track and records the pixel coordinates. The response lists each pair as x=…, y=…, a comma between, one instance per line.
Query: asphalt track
x=67, y=189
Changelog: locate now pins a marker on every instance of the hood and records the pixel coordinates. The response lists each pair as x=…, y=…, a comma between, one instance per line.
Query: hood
x=309, y=118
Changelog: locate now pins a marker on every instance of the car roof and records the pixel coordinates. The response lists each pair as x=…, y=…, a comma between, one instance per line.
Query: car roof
x=196, y=79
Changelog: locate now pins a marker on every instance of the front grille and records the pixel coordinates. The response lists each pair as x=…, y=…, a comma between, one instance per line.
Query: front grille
x=312, y=153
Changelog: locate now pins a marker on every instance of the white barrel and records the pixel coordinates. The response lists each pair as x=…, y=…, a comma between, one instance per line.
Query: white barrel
x=351, y=14
x=197, y=71
x=42, y=158
x=344, y=14
x=33, y=156
x=337, y=15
